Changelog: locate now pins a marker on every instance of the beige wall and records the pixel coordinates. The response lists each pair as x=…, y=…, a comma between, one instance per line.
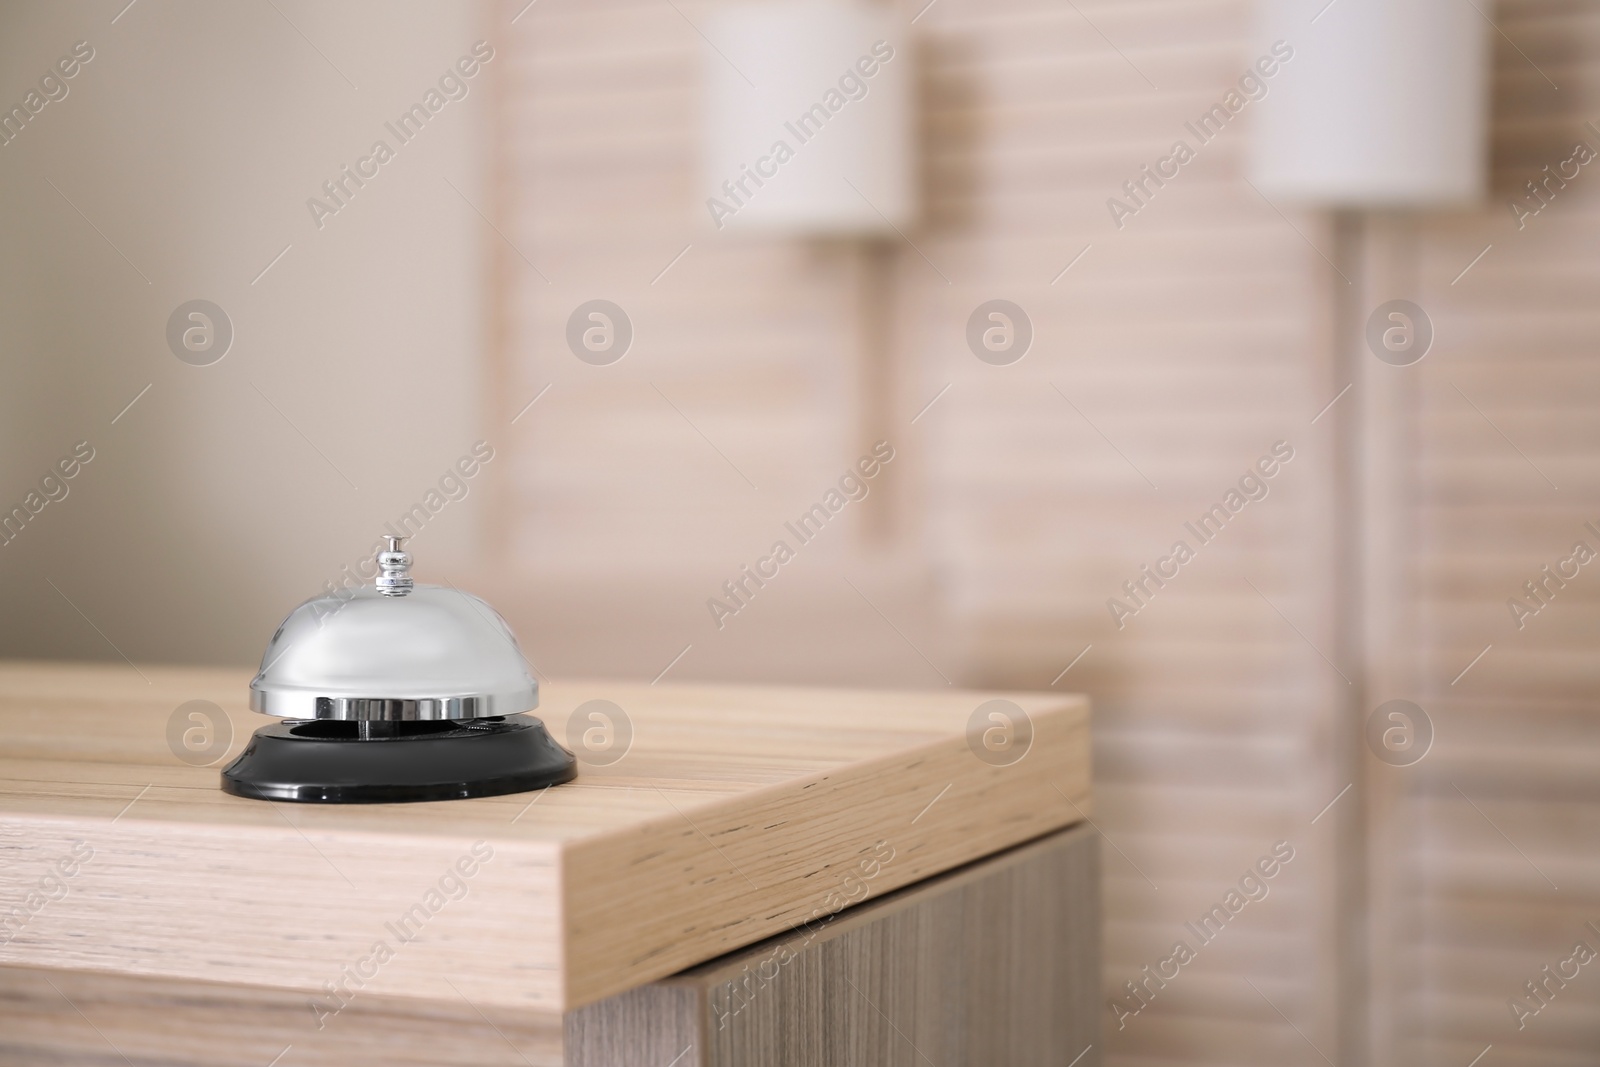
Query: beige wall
x=193, y=140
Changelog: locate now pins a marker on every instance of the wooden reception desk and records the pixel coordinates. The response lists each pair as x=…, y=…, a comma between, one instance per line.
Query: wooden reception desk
x=755, y=876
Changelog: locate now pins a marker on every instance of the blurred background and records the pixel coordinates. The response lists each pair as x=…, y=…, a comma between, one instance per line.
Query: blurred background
x=367, y=340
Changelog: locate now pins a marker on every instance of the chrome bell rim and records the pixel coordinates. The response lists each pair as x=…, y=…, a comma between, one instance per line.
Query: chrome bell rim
x=294, y=705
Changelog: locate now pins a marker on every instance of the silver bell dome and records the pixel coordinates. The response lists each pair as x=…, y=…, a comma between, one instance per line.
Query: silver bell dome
x=394, y=651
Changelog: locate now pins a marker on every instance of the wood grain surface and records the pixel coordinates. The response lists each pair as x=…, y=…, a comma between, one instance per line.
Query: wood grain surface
x=734, y=814
x=995, y=964
x=79, y=1019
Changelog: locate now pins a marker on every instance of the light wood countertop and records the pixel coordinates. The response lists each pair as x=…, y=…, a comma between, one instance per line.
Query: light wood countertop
x=736, y=813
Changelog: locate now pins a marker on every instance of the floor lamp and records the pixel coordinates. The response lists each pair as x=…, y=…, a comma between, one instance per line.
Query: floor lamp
x=809, y=135
x=1381, y=115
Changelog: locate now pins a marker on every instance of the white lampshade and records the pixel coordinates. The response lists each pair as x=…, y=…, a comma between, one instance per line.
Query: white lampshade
x=1384, y=104
x=808, y=119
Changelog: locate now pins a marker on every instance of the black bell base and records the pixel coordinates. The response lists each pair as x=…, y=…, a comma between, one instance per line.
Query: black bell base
x=327, y=761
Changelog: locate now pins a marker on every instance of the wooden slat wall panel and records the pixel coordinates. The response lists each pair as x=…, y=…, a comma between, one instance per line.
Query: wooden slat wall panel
x=1184, y=340
x=1189, y=341
x=746, y=340
x=1506, y=809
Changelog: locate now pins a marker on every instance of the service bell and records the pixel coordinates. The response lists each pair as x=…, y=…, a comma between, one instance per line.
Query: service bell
x=395, y=692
